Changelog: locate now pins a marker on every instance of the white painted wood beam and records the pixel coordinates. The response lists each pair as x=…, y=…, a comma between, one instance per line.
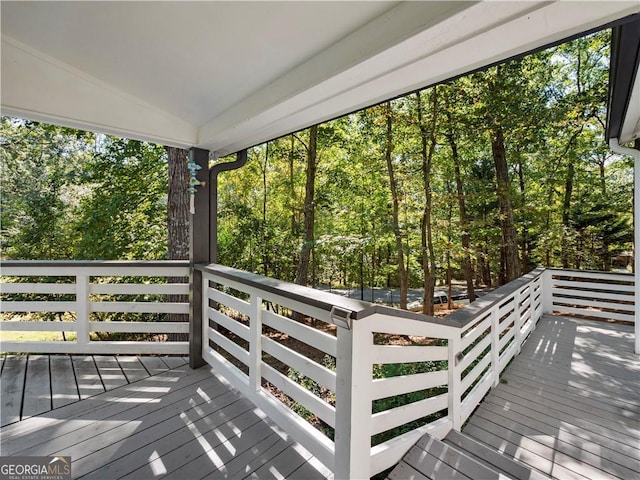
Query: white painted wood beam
x=446, y=46
x=41, y=88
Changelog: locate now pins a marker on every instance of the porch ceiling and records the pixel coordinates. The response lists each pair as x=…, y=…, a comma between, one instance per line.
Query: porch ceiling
x=227, y=75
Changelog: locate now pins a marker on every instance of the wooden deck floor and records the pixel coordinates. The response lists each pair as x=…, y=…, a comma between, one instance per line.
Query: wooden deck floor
x=569, y=404
x=34, y=384
x=180, y=423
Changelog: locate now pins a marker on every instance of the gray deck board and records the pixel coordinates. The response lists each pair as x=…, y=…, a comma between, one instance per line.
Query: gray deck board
x=592, y=424
x=624, y=416
x=618, y=424
x=132, y=368
x=622, y=466
x=597, y=445
x=524, y=455
x=560, y=426
x=154, y=365
x=431, y=466
x=64, y=389
x=240, y=465
x=179, y=424
x=40, y=434
x=93, y=434
x=11, y=388
x=574, y=458
x=596, y=400
x=212, y=446
x=283, y=464
x=174, y=362
x=460, y=463
x=65, y=384
x=87, y=376
x=406, y=472
x=110, y=371
x=568, y=405
x=37, y=390
x=575, y=386
x=479, y=452
x=135, y=436
x=203, y=451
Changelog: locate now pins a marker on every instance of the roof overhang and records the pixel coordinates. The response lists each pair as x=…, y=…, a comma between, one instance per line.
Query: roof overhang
x=623, y=119
x=228, y=75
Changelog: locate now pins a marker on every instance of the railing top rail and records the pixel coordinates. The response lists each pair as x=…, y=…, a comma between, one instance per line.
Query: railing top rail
x=471, y=312
x=316, y=298
x=93, y=263
x=602, y=273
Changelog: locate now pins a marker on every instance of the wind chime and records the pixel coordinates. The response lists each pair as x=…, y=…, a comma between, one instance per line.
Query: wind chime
x=193, y=184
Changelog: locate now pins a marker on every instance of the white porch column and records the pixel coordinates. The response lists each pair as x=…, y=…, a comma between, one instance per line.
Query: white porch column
x=615, y=146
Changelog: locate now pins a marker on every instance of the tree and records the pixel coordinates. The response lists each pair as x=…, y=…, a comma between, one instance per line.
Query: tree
x=302, y=275
x=42, y=175
x=464, y=219
x=428, y=145
x=177, y=224
x=395, y=209
x=124, y=216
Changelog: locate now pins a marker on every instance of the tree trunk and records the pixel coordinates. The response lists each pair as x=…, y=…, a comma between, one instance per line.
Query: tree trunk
x=292, y=206
x=606, y=258
x=178, y=225
x=526, y=244
x=302, y=275
x=428, y=255
x=265, y=241
x=464, y=220
x=566, y=212
x=512, y=268
x=402, y=272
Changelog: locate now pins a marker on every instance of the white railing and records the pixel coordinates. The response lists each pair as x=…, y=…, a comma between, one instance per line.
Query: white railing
x=356, y=383
x=591, y=294
x=80, y=292
x=494, y=328
x=380, y=398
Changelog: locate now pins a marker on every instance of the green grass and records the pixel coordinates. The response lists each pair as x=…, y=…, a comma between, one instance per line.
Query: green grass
x=35, y=336
x=31, y=336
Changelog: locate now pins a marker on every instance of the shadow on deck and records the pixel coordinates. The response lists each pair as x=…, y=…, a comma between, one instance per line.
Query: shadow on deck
x=181, y=423
x=567, y=407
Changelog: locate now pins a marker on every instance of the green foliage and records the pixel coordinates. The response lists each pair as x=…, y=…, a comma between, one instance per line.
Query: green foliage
x=125, y=215
x=551, y=107
x=74, y=195
x=41, y=181
x=319, y=391
x=68, y=194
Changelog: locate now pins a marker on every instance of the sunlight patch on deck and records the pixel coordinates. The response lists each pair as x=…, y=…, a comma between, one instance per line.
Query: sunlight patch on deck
x=157, y=465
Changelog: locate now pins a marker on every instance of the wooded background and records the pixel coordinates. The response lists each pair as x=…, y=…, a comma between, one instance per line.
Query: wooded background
x=478, y=179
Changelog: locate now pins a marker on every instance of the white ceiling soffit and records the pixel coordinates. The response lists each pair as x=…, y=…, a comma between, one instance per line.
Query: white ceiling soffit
x=228, y=75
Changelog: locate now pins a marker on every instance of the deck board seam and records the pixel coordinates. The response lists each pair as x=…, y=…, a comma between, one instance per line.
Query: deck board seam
x=88, y=407
x=592, y=427
x=221, y=443
x=536, y=382
x=95, y=364
x=24, y=387
x=168, y=435
x=117, y=413
x=580, y=441
x=515, y=447
x=516, y=427
x=549, y=453
x=540, y=399
x=564, y=416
